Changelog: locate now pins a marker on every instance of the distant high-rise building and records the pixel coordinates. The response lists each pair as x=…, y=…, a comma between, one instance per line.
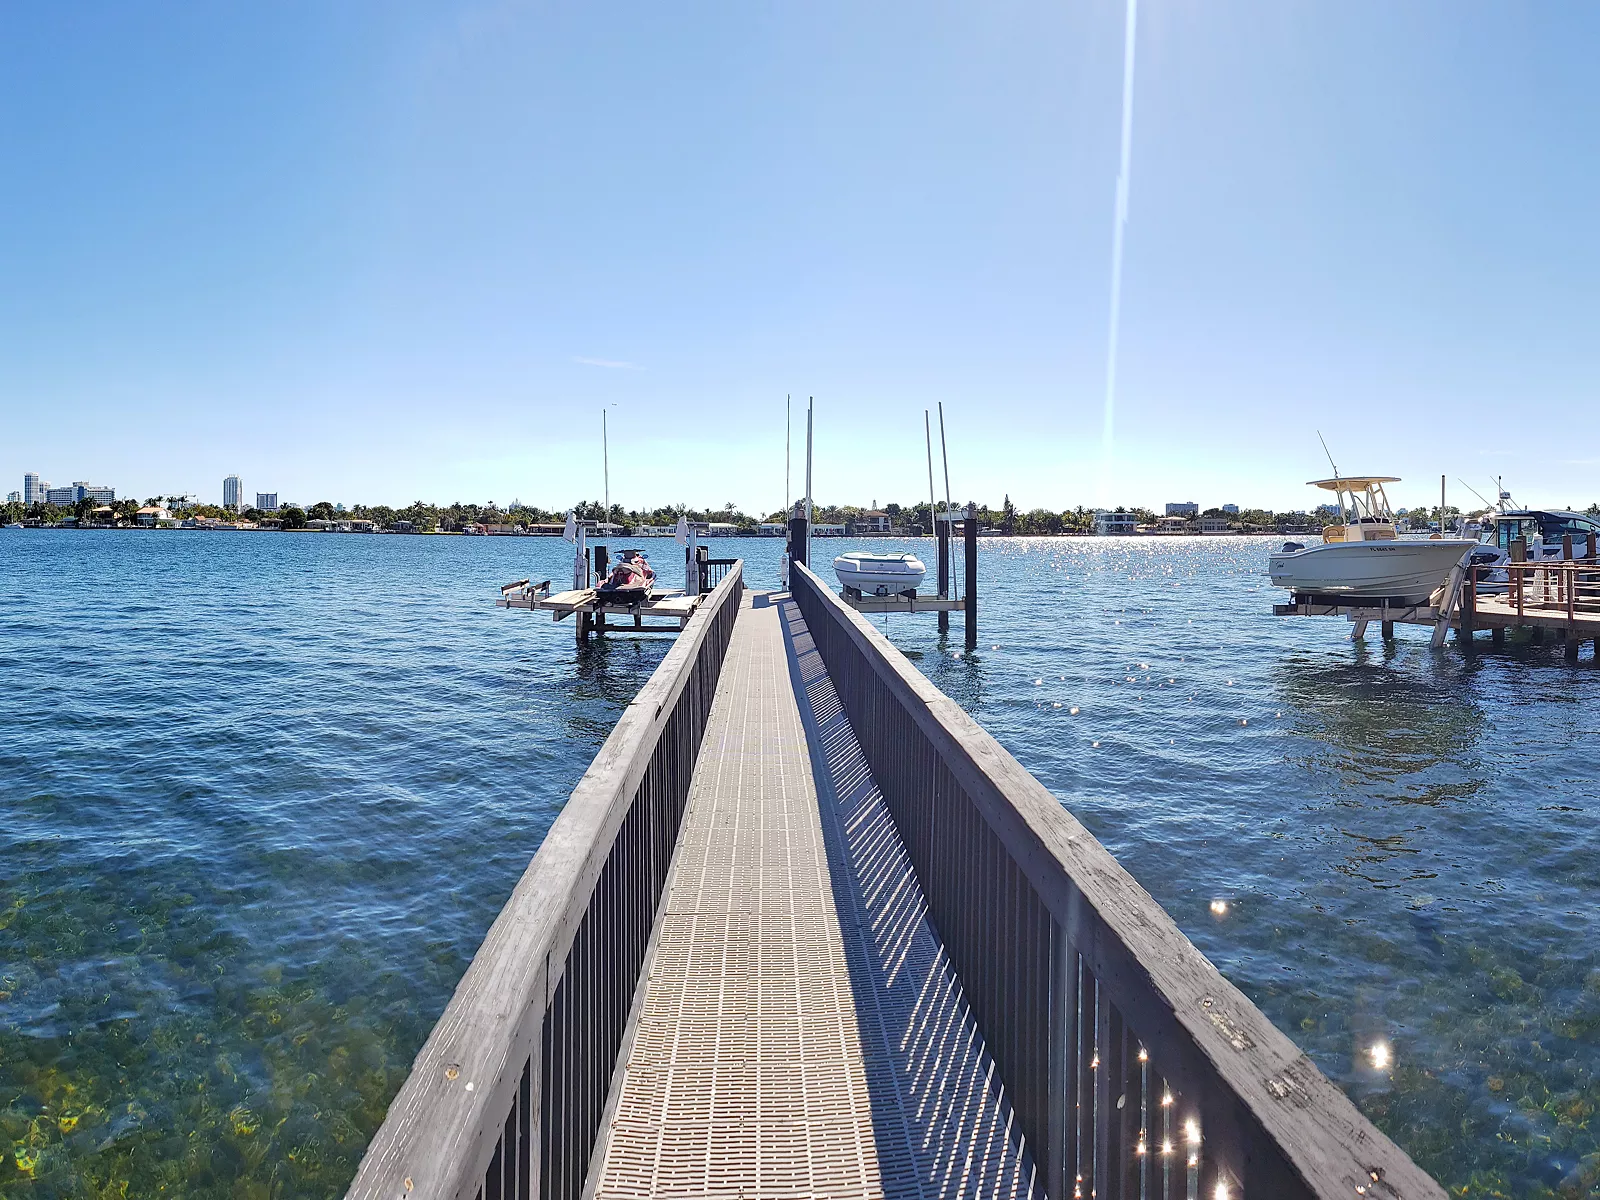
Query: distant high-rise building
x=1230, y=508
x=100, y=495
x=63, y=495
x=14, y=498
x=32, y=489
x=267, y=501
x=1183, y=508
x=231, y=491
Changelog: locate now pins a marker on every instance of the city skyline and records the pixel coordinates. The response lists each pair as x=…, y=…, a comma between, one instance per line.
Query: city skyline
x=422, y=259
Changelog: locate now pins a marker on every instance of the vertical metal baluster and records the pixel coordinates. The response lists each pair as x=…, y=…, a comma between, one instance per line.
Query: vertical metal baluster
x=1145, y=1148
x=526, y=1161
x=1084, y=1110
x=1105, y=1097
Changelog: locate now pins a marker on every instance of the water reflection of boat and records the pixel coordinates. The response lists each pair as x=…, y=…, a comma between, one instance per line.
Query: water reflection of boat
x=874, y=574
x=1364, y=557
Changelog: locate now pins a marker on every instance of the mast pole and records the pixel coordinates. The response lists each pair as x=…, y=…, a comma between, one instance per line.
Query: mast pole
x=933, y=501
x=605, y=459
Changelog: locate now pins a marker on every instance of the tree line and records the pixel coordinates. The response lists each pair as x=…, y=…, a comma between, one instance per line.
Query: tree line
x=425, y=517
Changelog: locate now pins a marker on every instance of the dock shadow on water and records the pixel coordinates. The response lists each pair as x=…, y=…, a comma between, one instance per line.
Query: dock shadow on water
x=941, y=1122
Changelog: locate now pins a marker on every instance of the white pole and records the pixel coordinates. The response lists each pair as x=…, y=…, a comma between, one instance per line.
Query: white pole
x=933, y=501
x=810, y=405
x=1441, y=506
x=580, y=567
x=605, y=458
x=788, y=425
x=944, y=453
x=691, y=568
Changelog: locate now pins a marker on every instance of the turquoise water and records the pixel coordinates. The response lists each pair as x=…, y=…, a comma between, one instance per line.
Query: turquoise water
x=261, y=795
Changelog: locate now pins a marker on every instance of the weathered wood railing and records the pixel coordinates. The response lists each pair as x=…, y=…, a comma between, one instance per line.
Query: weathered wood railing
x=506, y=1098
x=1134, y=1068
x=712, y=570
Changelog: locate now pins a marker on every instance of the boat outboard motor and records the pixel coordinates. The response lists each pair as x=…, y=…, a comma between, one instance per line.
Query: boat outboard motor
x=1291, y=547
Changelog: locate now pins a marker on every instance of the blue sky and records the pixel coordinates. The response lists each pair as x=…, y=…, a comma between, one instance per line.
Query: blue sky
x=393, y=251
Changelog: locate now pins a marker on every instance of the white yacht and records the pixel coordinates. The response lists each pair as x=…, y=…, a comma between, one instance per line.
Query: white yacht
x=1365, y=558
x=873, y=574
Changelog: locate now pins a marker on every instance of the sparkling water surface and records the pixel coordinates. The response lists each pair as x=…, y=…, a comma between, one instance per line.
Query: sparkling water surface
x=261, y=795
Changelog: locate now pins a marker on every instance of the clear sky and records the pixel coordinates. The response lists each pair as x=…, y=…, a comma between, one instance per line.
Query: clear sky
x=387, y=251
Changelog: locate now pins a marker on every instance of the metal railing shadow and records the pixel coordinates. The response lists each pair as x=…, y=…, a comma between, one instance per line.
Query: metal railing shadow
x=941, y=1122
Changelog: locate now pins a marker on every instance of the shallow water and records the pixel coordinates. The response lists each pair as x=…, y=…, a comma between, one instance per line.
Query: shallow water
x=261, y=795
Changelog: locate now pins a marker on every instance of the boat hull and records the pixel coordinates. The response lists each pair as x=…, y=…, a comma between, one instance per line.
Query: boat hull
x=1402, y=570
x=879, y=574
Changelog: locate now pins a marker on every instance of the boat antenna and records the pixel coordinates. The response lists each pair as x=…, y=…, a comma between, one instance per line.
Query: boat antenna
x=1473, y=490
x=1335, y=467
x=1329, y=453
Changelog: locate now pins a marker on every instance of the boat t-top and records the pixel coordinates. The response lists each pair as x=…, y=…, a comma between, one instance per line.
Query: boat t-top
x=1364, y=557
x=867, y=573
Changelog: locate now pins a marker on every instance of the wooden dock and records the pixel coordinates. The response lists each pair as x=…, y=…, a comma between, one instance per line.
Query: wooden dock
x=804, y=929
x=594, y=608
x=1557, y=600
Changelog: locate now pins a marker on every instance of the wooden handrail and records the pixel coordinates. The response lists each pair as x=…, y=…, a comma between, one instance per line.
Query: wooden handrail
x=472, y=1116
x=986, y=836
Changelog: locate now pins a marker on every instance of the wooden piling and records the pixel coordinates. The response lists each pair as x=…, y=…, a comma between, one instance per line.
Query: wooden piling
x=797, y=541
x=971, y=550
x=942, y=534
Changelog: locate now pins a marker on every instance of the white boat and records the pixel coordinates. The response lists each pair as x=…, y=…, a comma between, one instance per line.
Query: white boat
x=874, y=574
x=1365, y=558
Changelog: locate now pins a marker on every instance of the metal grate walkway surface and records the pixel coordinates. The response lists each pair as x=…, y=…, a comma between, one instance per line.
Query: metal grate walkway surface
x=801, y=1034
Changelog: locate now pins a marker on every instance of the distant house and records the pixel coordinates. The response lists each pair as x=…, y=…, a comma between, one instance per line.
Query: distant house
x=152, y=516
x=1213, y=524
x=1115, y=524
x=827, y=531
x=772, y=529
x=320, y=525
x=721, y=529
x=1172, y=525
x=652, y=531
x=403, y=526
x=873, y=522
x=1183, y=508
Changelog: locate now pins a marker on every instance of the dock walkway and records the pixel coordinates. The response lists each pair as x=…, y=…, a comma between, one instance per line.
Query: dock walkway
x=804, y=929
x=800, y=1032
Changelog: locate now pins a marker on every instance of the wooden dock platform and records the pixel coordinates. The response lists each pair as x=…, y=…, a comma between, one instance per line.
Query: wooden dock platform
x=599, y=611
x=803, y=929
x=1548, y=599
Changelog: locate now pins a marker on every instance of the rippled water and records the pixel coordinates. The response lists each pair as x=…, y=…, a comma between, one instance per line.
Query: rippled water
x=261, y=795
